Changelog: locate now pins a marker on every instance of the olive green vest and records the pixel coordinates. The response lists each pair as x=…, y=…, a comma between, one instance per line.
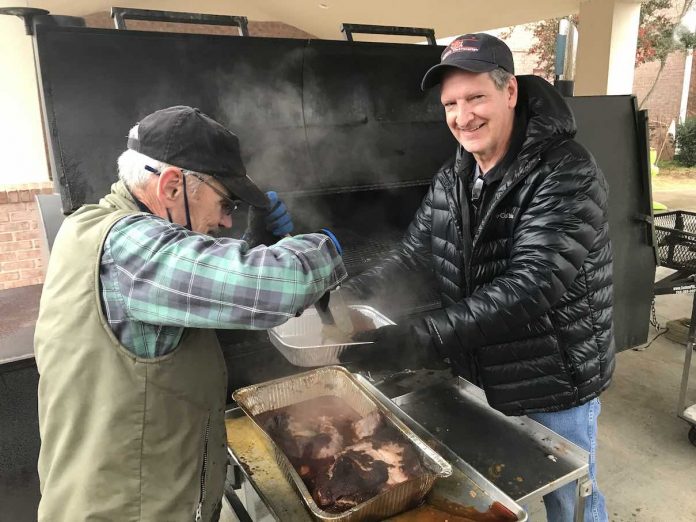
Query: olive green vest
x=122, y=438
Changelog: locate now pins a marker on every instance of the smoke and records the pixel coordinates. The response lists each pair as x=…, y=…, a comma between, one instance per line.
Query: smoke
x=315, y=127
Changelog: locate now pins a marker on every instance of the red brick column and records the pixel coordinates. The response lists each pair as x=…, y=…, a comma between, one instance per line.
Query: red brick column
x=20, y=237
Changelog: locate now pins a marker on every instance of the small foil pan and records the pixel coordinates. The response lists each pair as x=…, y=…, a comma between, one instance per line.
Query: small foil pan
x=301, y=342
x=338, y=382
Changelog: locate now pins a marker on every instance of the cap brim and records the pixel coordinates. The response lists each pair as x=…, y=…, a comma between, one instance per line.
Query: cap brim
x=246, y=190
x=435, y=73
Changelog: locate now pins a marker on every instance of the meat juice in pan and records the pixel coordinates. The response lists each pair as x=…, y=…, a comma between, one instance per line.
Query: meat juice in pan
x=344, y=459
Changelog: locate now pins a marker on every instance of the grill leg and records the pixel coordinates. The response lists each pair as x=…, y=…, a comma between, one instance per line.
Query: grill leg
x=584, y=490
x=687, y=360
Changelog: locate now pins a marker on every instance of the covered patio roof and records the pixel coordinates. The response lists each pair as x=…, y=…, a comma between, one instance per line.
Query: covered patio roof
x=323, y=18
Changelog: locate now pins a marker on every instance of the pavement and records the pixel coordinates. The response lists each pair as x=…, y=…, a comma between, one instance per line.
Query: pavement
x=678, y=193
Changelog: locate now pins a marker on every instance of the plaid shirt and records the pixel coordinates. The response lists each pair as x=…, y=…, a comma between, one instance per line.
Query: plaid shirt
x=158, y=278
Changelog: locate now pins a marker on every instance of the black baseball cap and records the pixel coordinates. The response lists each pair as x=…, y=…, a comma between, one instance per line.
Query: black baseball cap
x=478, y=52
x=186, y=138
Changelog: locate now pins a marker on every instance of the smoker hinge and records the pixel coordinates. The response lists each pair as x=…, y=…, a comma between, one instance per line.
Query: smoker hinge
x=650, y=239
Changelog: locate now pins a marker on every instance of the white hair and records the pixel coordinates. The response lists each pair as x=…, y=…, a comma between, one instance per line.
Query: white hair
x=500, y=77
x=132, y=171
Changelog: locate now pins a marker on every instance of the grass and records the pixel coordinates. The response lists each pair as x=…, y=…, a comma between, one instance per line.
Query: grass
x=673, y=169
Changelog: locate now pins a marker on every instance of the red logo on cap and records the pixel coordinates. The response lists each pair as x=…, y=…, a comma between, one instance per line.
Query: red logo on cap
x=457, y=46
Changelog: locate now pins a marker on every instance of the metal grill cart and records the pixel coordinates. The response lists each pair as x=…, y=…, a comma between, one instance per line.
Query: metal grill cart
x=675, y=233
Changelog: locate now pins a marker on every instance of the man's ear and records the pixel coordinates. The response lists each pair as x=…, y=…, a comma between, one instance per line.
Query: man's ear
x=511, y=91
x=169, y=186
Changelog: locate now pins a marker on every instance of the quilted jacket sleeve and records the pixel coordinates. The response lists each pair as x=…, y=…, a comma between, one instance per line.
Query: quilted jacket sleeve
x=413, y=253
x=552, y=239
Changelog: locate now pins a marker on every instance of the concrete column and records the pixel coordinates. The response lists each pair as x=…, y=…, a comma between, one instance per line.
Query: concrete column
x=608, y=35
x=22, y=149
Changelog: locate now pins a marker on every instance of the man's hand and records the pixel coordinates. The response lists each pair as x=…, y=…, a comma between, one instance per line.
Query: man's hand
x=266, y=225
x=394, y=347
x=278, y=220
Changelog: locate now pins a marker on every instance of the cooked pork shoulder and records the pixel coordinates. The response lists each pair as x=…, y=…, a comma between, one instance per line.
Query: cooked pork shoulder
x=364, y=470
x=367, y=425
x=343, y=459
x=353, y=478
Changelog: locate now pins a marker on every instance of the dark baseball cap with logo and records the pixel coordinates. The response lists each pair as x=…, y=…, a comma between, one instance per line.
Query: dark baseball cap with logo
x=184, y=137
x=479, y=52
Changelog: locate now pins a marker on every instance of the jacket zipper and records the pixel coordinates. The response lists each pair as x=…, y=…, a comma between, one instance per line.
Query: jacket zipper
x=455, y=210
x=201, y=498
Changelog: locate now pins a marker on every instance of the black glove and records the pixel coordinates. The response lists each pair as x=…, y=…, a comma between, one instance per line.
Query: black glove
x=395, y=347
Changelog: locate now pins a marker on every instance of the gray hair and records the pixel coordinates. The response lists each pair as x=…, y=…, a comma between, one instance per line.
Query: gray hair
x=500, y=78
x=132, y=171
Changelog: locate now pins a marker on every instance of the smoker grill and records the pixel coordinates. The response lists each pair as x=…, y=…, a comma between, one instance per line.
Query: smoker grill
x=340, y=129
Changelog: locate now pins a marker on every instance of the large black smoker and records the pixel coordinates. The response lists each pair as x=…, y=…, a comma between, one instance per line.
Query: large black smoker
x=340, y=129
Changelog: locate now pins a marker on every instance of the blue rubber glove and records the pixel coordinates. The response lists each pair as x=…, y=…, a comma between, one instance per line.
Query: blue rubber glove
x=278, y=220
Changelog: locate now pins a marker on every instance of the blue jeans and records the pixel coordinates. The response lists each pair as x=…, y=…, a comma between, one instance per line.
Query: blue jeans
x=578, y=425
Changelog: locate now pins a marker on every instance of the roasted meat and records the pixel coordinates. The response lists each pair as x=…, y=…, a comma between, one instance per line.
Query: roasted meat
x=355, y=476
x=365, y=469
x=368, y=425
x=344, y=459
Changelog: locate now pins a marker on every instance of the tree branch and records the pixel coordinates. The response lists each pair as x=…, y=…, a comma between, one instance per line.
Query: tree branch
x=654, y=83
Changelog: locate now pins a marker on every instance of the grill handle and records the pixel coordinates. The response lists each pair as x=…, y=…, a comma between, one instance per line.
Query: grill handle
x=349, y=29
x=120, y=14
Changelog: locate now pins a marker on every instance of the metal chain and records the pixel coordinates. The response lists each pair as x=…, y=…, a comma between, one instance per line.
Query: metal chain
x=654, y=324
x=653, y=316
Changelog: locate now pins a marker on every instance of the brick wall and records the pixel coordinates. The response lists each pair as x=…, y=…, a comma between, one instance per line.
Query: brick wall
x=519, y=39
x=20, y=237
x=663, y=103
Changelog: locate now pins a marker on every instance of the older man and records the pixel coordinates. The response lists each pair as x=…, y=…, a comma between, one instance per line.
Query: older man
x=515, y=229
x=133, y=381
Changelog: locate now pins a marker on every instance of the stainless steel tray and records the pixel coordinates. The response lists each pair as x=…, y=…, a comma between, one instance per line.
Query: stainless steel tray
x=299, y=339
x=466, y=487
x=336, y=381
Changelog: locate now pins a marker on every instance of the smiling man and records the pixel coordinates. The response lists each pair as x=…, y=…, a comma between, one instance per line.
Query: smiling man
x=515, y=230
x=133, y=383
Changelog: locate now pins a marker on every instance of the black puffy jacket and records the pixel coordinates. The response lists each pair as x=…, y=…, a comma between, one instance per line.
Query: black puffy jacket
x=527, y=301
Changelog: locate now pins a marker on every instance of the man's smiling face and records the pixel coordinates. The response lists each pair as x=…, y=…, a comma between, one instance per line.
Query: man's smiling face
x=479, y=115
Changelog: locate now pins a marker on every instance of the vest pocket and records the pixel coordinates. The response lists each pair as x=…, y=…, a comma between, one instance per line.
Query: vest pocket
x=204, y=472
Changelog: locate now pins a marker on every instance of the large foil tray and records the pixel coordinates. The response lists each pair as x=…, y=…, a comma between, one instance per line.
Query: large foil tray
x=337, y=381
x=299, y=339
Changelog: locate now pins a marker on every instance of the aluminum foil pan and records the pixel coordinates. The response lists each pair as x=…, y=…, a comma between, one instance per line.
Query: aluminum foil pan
x=300, y=338
x=337, y=381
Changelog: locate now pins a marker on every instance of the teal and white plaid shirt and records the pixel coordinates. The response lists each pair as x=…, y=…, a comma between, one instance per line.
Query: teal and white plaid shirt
x=159, y=278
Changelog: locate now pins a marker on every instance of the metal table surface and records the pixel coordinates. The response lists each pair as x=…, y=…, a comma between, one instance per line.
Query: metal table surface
x=518, y=455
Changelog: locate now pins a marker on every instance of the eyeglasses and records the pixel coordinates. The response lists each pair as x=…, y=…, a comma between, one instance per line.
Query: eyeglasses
x=228, y=204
